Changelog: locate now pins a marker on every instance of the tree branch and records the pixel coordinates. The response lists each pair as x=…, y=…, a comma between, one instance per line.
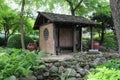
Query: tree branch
x=70, y=3
x=71, y=7
x=77, y=5
x=13, y=31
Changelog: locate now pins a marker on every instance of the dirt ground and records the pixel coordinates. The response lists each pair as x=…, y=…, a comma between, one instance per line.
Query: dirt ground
x=60, y=57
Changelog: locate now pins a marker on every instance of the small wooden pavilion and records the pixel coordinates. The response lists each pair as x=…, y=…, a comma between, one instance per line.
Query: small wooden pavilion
x=61, y=32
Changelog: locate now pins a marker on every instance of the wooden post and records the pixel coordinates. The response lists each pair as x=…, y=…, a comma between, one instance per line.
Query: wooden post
x=80, y=42
x=91, y=31
x=74, y=39
x=58, y=41
x=54, y=37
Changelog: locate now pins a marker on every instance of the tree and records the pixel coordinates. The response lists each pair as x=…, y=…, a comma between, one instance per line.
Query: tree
x=115, y=8
x=8, y=21
x=106, y=23
x=102, y=15
x=23, y=3
x=9, y=24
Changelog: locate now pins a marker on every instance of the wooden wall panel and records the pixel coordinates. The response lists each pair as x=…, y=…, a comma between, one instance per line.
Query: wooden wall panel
x=66, y=37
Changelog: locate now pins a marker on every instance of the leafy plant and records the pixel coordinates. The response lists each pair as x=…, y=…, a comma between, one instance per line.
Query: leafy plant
x=107, y=71
x=18, y=62
x=114, y=64
x=104, y=74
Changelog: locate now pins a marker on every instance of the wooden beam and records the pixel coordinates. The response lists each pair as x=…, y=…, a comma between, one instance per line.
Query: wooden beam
x=80, y=36
x=74, y=39
x=91, y=34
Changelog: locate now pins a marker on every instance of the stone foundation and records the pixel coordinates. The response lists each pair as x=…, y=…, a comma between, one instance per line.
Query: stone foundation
x=75, y=68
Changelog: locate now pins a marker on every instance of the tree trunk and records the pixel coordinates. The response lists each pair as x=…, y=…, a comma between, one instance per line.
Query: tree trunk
x=115, y=7
x=72, y=12
x=102, y=36
x=21, y=25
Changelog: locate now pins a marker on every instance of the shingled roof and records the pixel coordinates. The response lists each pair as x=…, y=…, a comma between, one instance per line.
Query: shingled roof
x=61, y=18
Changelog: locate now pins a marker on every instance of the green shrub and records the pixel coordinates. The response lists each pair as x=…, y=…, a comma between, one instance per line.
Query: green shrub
x=15, y=41
x=110, y=42
x=97, y=39
x=19, y=63
x=36, y=40
x=86, y=43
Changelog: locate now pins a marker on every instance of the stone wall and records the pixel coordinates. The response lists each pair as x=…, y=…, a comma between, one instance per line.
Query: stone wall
x=72, y=69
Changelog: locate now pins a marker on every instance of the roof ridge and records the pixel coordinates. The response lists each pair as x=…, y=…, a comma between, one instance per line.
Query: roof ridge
x=57, y=14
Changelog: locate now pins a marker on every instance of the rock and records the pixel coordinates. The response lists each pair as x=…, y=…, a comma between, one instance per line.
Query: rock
x=96, y=62
x=13, y=78
x=57, y=64
x=86, y=71
x=50, y=64
x=77, y=66
x=78, y=75
x=53, y=69
x=91, y=69
x=32, y=78
x=103, y=60
x=81, y=71
x=87, y=67
x=93, y=51
x=40, y=77
x=29, y=78
x=79, y=78
x=46, y=74
x=61, y=69
x=115, y=55
x=70, y=72
x=100, y=55
x=63, y=63
x=103, y=49
x=46, y=70
x=73, y=78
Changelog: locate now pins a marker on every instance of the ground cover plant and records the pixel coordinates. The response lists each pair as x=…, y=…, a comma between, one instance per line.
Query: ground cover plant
x=19, y=63
x=108, y=71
